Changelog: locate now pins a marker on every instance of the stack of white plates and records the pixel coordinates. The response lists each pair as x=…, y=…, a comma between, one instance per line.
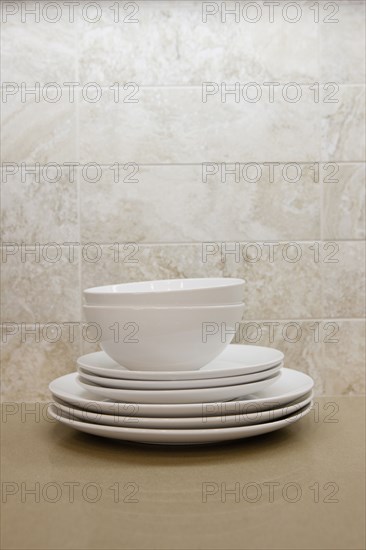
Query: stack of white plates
x=168, y=374
x=244, y=392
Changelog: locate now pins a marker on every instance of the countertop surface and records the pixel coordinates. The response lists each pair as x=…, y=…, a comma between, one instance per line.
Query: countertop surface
x=301, y=487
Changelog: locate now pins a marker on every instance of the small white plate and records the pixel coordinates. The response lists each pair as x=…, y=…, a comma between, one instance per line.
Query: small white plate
x=179, y=437
x=177, y=384
x=195, y=395
x=233, y=361
x=227, y=421
x=289, y=386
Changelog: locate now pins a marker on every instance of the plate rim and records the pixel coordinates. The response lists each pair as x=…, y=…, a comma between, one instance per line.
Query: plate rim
x=177, y=393
x=180, y=409
x=196, y=431
x=185, y=375
x=305, y=399
x=218, y=383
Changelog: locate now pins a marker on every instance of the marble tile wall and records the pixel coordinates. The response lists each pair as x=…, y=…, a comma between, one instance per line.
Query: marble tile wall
x=123, y=159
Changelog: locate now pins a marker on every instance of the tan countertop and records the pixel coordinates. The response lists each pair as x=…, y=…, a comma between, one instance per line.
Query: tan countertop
x=301, y=487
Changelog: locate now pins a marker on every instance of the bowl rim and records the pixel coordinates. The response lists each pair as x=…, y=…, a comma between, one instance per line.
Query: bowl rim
x=236, y=305
x=109, y=290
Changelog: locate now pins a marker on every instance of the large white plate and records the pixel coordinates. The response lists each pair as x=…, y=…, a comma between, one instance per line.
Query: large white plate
x=195, y=395
x=234, y=360
x=177, y=384
x=227, y=421
x=180, y=437
x=290, y=385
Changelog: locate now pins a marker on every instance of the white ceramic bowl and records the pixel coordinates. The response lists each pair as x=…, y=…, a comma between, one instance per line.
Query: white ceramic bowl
x=169, y=292
x=161, y=339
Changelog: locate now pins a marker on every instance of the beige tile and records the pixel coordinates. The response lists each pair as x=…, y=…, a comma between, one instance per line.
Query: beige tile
x=169, y=53
x=283, y=279
x=344, y=358
x=183, y=204
x=344, y=202
x=343, y=125
x=38, y=51
x=171, y=45
x=31, y=361
x=36, y=209
x=173, y=125
x=38, y=131
x=40, y=287
x=343, y=271
x=300, y=341
x=342, y=44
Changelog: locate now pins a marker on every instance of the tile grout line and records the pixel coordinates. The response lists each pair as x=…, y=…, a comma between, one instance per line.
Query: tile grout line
x=77, y=132
x=321, y=198
x=157, y=244
x=106, y=87
x=199, y=164
x=247, y=320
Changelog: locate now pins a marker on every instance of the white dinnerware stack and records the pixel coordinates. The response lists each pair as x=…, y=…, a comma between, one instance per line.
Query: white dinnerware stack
x=167, y=373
